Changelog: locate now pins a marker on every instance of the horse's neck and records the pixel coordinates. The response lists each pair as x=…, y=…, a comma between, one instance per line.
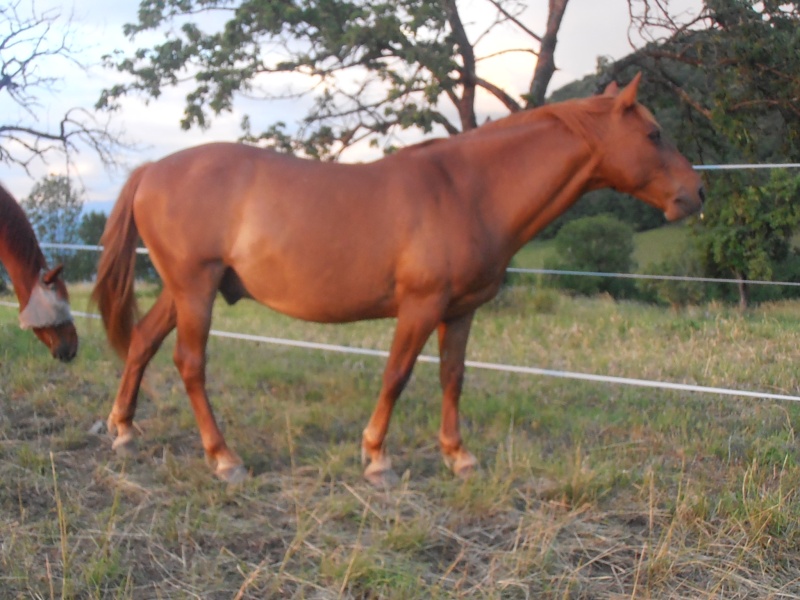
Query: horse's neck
x=19, y=251
x=22, y=276
x=534, y=173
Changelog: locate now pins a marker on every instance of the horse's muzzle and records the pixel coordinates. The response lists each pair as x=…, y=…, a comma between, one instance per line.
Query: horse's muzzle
x=686, y=204
x=64, y=344
x=65, y=351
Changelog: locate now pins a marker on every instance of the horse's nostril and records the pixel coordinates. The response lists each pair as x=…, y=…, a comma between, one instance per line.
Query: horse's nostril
x=65, y=353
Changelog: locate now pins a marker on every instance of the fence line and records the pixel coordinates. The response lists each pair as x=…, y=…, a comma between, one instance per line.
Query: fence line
x=524, y=270
x=91, y=247
x=748, y=166
x=643, y=276
x=506, y=368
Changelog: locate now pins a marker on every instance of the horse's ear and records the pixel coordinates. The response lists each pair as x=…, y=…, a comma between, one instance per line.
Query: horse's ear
x=612, y=89
x=627, y=97
x=51, y=275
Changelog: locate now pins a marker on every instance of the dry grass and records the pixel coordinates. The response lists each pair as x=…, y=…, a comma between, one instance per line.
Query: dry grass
x=586, y=490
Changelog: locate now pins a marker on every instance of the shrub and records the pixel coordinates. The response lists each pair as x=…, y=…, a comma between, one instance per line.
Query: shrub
x=600, y=243
x=684, y=263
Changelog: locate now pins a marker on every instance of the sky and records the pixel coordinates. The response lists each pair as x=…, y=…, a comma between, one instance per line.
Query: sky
x=590, y=28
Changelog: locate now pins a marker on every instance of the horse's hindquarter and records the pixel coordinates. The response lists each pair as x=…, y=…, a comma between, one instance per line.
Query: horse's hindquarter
x=319, y=241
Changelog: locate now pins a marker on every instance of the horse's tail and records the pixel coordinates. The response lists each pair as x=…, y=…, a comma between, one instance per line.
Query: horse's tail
x=113, y=291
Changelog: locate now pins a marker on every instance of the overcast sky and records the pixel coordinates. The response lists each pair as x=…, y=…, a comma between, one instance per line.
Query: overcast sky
x=590, y=28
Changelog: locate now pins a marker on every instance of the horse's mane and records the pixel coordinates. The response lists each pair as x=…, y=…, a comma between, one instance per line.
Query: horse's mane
x=17, y=238
x=576, y=115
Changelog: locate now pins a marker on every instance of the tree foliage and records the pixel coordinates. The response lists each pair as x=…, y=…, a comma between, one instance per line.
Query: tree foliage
x=751, y=229
x=83, y=264
x=372, y=67
x=54, y=210
x=31, y=43
x=732, y=71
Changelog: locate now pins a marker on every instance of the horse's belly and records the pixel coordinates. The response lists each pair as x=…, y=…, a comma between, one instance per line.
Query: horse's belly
x=324, y=297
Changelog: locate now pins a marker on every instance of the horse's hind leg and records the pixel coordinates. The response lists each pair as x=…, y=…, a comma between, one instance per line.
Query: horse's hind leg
x=146, y=338
x=194, y=323
x=453, y=337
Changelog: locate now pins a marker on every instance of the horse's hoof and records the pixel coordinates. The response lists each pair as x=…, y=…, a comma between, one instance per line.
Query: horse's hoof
x=379, y=473
x=232, y=475
x=382, y=479
x=125, y=444
x=463, y=466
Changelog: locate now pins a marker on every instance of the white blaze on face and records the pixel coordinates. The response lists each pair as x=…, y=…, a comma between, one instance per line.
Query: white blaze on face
x=44, y=309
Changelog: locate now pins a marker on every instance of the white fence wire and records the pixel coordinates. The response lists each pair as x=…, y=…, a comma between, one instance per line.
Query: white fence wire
x=646, y=383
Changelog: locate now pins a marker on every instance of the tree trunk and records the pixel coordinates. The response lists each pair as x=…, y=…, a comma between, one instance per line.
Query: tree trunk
x=546, y=66
x=744, y=292
x=469, y=80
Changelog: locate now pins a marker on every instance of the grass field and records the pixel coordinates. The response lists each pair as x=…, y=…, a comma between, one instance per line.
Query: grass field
x=586, y=490
x=649, y=247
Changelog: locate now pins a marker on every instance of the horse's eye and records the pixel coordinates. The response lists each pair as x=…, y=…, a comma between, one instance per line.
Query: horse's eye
x=655, y=136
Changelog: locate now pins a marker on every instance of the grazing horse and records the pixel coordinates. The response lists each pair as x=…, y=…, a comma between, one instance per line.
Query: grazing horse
x=424, y=236
x=42, y=295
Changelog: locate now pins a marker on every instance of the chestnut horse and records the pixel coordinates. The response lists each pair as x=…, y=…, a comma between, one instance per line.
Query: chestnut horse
x=42, y=295
x=424, y=236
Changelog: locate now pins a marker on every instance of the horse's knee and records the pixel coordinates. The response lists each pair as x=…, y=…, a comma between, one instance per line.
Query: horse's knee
x=191, y=365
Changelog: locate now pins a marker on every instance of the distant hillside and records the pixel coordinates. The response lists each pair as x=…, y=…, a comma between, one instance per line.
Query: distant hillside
x=581, y=88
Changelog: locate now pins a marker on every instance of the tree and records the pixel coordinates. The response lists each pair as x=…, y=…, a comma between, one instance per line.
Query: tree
x=733, y=68
x=374, y=67
x=30, y=46
x=83, y=265
x=751, y=229
x=54, y=209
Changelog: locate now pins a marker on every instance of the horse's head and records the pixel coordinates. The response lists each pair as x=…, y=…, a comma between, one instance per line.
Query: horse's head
x=47, y=314
x=638, y=160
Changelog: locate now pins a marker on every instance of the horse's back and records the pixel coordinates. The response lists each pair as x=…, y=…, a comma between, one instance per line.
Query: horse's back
x=227, y=195
x=294, y=232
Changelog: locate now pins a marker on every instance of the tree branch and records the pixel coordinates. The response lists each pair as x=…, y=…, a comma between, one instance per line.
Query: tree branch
x=26, y=42
x=514, y=20
x=509, y=102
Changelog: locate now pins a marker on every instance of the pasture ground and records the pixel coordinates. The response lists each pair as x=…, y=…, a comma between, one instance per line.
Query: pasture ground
x=586, y=490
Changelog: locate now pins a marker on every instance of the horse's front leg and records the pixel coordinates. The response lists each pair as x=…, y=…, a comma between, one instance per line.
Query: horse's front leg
x=414, y=326
x=146, y=338
x=453, y=335
x=194, y=324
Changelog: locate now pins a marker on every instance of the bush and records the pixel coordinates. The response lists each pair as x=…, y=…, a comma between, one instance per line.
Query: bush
x=600, y=243
x=683, y=263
